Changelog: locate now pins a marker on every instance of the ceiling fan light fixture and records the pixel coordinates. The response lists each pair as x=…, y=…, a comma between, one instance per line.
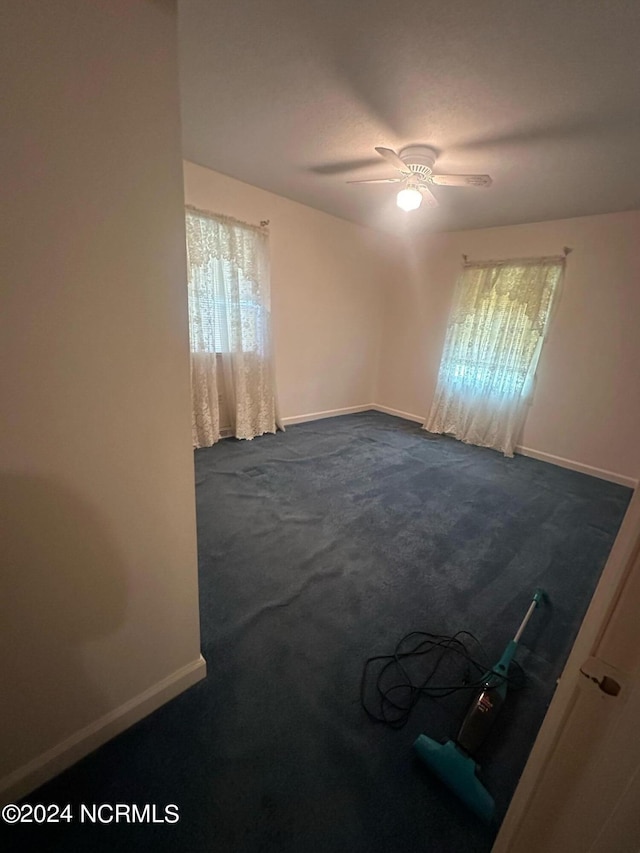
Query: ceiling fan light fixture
x=410, y=198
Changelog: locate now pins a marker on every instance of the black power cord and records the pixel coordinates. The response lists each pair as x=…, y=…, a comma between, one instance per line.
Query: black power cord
x=397, y=690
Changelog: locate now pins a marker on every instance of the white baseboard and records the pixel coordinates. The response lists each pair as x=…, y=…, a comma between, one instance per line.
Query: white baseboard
x=38, y=771
x=612, y=476
x=420, y=419
x=330, y=413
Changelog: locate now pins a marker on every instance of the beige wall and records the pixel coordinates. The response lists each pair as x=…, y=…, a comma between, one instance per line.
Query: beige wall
x=327, y=277
x=360, y=318
x=586, y=406
x=98, y=597
x=98, y=589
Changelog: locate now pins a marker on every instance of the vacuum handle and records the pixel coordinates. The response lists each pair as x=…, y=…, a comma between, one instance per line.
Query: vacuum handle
x=537, y=598
x=487, y=703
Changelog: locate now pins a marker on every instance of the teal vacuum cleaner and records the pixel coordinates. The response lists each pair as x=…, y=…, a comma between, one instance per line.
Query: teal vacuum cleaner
x=453, y=762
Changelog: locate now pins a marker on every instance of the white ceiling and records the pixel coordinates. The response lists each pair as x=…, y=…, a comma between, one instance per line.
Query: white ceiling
x=543, y=95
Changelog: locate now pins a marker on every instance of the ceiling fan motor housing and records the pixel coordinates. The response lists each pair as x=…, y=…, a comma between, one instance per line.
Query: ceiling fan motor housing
x=420, y=159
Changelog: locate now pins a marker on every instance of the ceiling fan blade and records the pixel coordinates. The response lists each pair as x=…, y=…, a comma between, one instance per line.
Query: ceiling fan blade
x=461, y=180
x=379, y=181
x=394, y=159
x=428, y=197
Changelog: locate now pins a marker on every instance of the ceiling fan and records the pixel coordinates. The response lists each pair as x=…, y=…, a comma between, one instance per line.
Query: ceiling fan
x=415, y=165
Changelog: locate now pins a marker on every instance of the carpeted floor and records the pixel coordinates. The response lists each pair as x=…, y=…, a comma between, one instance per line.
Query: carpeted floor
x=318, y=548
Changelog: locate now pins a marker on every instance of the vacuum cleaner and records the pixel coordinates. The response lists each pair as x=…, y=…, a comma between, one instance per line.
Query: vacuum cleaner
x=453, y=762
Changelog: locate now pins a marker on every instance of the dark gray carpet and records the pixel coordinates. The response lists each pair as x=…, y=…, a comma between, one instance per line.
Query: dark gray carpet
x=319, y=548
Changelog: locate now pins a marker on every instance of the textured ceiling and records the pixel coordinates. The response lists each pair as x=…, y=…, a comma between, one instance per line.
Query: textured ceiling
x=543, y=95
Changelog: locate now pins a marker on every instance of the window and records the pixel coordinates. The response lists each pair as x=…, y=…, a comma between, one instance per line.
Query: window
x=229, y=327
x=494, y=338
x=215, y=321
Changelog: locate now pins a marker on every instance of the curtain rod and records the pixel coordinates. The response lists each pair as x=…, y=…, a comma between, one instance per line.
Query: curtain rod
x=221, y=217
x=566, y=250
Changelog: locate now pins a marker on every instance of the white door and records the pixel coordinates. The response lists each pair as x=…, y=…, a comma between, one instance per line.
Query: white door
x=580, y=792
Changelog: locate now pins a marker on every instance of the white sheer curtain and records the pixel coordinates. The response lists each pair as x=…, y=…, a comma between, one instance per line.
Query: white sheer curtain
x=229, y=327
x=497, y=325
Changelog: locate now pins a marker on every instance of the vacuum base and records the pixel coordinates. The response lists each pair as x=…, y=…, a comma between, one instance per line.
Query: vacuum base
x=458, y=772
